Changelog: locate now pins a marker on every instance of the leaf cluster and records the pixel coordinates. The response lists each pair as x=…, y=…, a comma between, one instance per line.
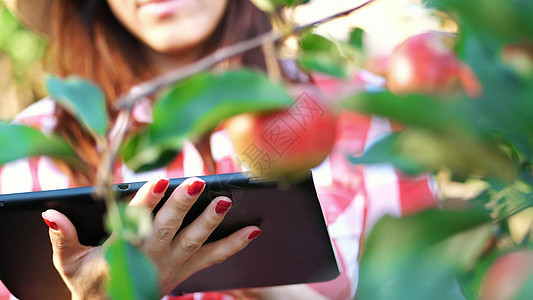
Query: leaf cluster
x=487, y=138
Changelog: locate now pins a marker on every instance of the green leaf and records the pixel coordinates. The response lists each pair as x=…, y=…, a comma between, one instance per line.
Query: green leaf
x=419, y=257
x=356, y=38
x=464, y=155
x=441, y=133
x=384, y=151
x=511, y=117
x=197, y=105
x=132, y=275
x=17, y=141
x=83, y=100
x=414, y=110
x=317, y=53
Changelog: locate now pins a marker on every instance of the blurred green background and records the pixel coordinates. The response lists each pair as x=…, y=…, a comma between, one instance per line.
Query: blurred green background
x=21, y=65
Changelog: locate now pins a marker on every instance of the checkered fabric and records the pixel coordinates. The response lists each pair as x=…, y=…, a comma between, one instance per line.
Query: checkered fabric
x=353, y=197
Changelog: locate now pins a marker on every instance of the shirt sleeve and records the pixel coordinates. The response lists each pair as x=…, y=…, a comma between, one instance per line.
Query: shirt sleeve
x=33, y=173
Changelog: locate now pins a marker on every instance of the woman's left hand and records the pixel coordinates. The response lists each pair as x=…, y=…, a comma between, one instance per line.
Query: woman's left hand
x=176, y=255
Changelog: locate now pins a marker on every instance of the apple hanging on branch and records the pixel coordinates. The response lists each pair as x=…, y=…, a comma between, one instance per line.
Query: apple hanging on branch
x=426, y=64
x=284, y=143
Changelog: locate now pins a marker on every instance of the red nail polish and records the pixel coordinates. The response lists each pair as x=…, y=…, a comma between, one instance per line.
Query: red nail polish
x=254, y=234
x=195, y=188
x=222, y=207
x=50, y=224
x=160, y=186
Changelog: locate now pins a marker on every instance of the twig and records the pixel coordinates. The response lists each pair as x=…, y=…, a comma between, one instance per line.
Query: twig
x=116, y=136
x=333, y=17
x=149, y=87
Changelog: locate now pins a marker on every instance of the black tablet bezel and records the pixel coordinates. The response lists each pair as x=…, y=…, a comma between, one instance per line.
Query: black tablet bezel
x=294, y=247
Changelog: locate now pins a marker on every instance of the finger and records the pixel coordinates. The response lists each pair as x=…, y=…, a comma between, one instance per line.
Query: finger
x=168, y=219
x=190, y=239
x=65, y=244
x=220, y=250
x=150, y=193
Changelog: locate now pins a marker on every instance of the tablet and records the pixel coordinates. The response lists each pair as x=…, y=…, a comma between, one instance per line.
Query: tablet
x=294, y=247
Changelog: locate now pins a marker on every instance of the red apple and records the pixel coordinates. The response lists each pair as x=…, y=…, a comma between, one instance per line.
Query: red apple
x=425, y=63
x=507, y=275
x=284, y=143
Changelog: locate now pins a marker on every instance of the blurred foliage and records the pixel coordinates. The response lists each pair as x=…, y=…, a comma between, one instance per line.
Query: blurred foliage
x=22, y=46
x=21, y=53
x=488, y=138
x=428, y=251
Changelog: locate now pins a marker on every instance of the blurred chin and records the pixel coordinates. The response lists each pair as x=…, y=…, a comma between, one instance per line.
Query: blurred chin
x=172, y=42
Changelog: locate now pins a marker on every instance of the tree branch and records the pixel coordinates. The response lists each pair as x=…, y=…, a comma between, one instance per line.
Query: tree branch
x=333, y=17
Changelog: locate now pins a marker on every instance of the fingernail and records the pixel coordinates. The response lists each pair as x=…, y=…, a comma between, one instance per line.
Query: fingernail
x=222, y=207
x=254, y=234
x=196, y=187
x=50, y=224
x=160, y=186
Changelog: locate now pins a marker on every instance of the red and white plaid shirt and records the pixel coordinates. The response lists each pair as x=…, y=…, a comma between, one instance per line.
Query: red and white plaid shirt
x=353, y=198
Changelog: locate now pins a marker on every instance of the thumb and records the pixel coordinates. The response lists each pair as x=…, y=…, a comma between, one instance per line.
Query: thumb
x=65, y=243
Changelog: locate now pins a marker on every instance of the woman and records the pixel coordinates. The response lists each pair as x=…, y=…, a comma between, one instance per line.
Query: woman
x=118, y=43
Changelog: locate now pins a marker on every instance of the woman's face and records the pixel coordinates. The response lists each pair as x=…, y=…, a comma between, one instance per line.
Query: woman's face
x=169, y=26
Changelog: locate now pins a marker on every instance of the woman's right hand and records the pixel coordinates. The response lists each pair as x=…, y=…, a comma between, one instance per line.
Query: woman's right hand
x=175, y=256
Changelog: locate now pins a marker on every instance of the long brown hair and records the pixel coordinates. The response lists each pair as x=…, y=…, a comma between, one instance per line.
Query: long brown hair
x=87, y=40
